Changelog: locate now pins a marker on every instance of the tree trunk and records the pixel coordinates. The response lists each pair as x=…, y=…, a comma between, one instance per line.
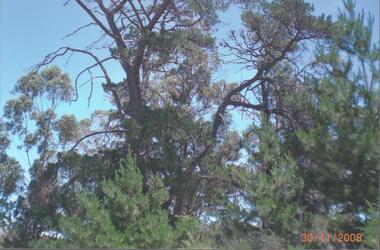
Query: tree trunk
x=134, y=91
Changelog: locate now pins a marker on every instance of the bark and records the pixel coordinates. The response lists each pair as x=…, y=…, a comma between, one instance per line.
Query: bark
x=134, y=91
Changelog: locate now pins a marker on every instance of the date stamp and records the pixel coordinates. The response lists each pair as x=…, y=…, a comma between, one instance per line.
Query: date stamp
x=328, y=237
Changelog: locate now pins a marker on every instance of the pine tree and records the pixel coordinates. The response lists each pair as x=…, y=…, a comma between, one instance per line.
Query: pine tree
x=273, y=189
x=338, y=146
x=124, y=217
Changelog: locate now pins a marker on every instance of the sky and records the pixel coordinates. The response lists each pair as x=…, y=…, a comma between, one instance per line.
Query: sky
x=30, y=29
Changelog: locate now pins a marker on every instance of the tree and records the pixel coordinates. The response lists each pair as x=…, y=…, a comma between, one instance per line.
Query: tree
x=327, y=142
x=11, y=182
x=307, y=160
x=32, y=117
x=269, y=210
x=274, y=32
x=338, y=143
x=344, y=139
x=166, y=51
x=124, y=216
x=10, y=179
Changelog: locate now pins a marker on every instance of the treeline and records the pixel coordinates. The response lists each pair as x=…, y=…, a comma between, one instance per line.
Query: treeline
x=164, y=168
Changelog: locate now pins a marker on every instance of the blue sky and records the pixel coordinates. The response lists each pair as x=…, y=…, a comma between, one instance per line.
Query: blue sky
x=30, y=29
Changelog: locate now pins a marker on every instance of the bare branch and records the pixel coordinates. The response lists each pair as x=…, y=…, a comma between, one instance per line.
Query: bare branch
x=96, y=133
x=63, y=50
x=92, y=44
x=227, y=99
x=88, y=68
x=78, y=29
x=258, y=107
x=91, y=89
x=136, y=14
x=158, y=14
x=143, y=10
x=118, y=7
x=96, y=20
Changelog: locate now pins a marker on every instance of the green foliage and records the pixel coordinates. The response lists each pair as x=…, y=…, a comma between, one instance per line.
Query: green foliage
x=274, y=185
x=68, y=128
x=10, y=179
x=372, y=226
x=278, y=26
x=39, y=95
x=344, y=141
x=124, y=217
x=308, y=162
x=339, y=143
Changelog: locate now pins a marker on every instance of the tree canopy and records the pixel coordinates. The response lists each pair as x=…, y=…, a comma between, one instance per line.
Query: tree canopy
x=163, y=168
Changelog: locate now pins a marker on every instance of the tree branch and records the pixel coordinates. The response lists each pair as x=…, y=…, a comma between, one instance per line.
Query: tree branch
x=96, y=133
x=96, y=20
x=158, y=14
x=258, y=107
x=63, y=50
x=218, y=118
x=118, y=7
x=78, y=29
x=88, y=68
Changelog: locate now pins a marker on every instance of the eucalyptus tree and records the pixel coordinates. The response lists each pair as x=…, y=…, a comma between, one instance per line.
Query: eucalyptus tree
x=11, y=176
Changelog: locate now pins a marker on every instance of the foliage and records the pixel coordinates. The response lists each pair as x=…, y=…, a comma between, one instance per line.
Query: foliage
x=344, y=139
x=273, y=189
x=308, y=161
x=371, y=227
x=10, y=179
x=124, y=217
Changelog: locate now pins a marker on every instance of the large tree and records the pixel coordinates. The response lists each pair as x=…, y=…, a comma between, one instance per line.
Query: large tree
x=307, y=159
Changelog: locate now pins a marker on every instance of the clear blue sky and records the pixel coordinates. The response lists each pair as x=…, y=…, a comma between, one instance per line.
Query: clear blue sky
x=30, y=29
